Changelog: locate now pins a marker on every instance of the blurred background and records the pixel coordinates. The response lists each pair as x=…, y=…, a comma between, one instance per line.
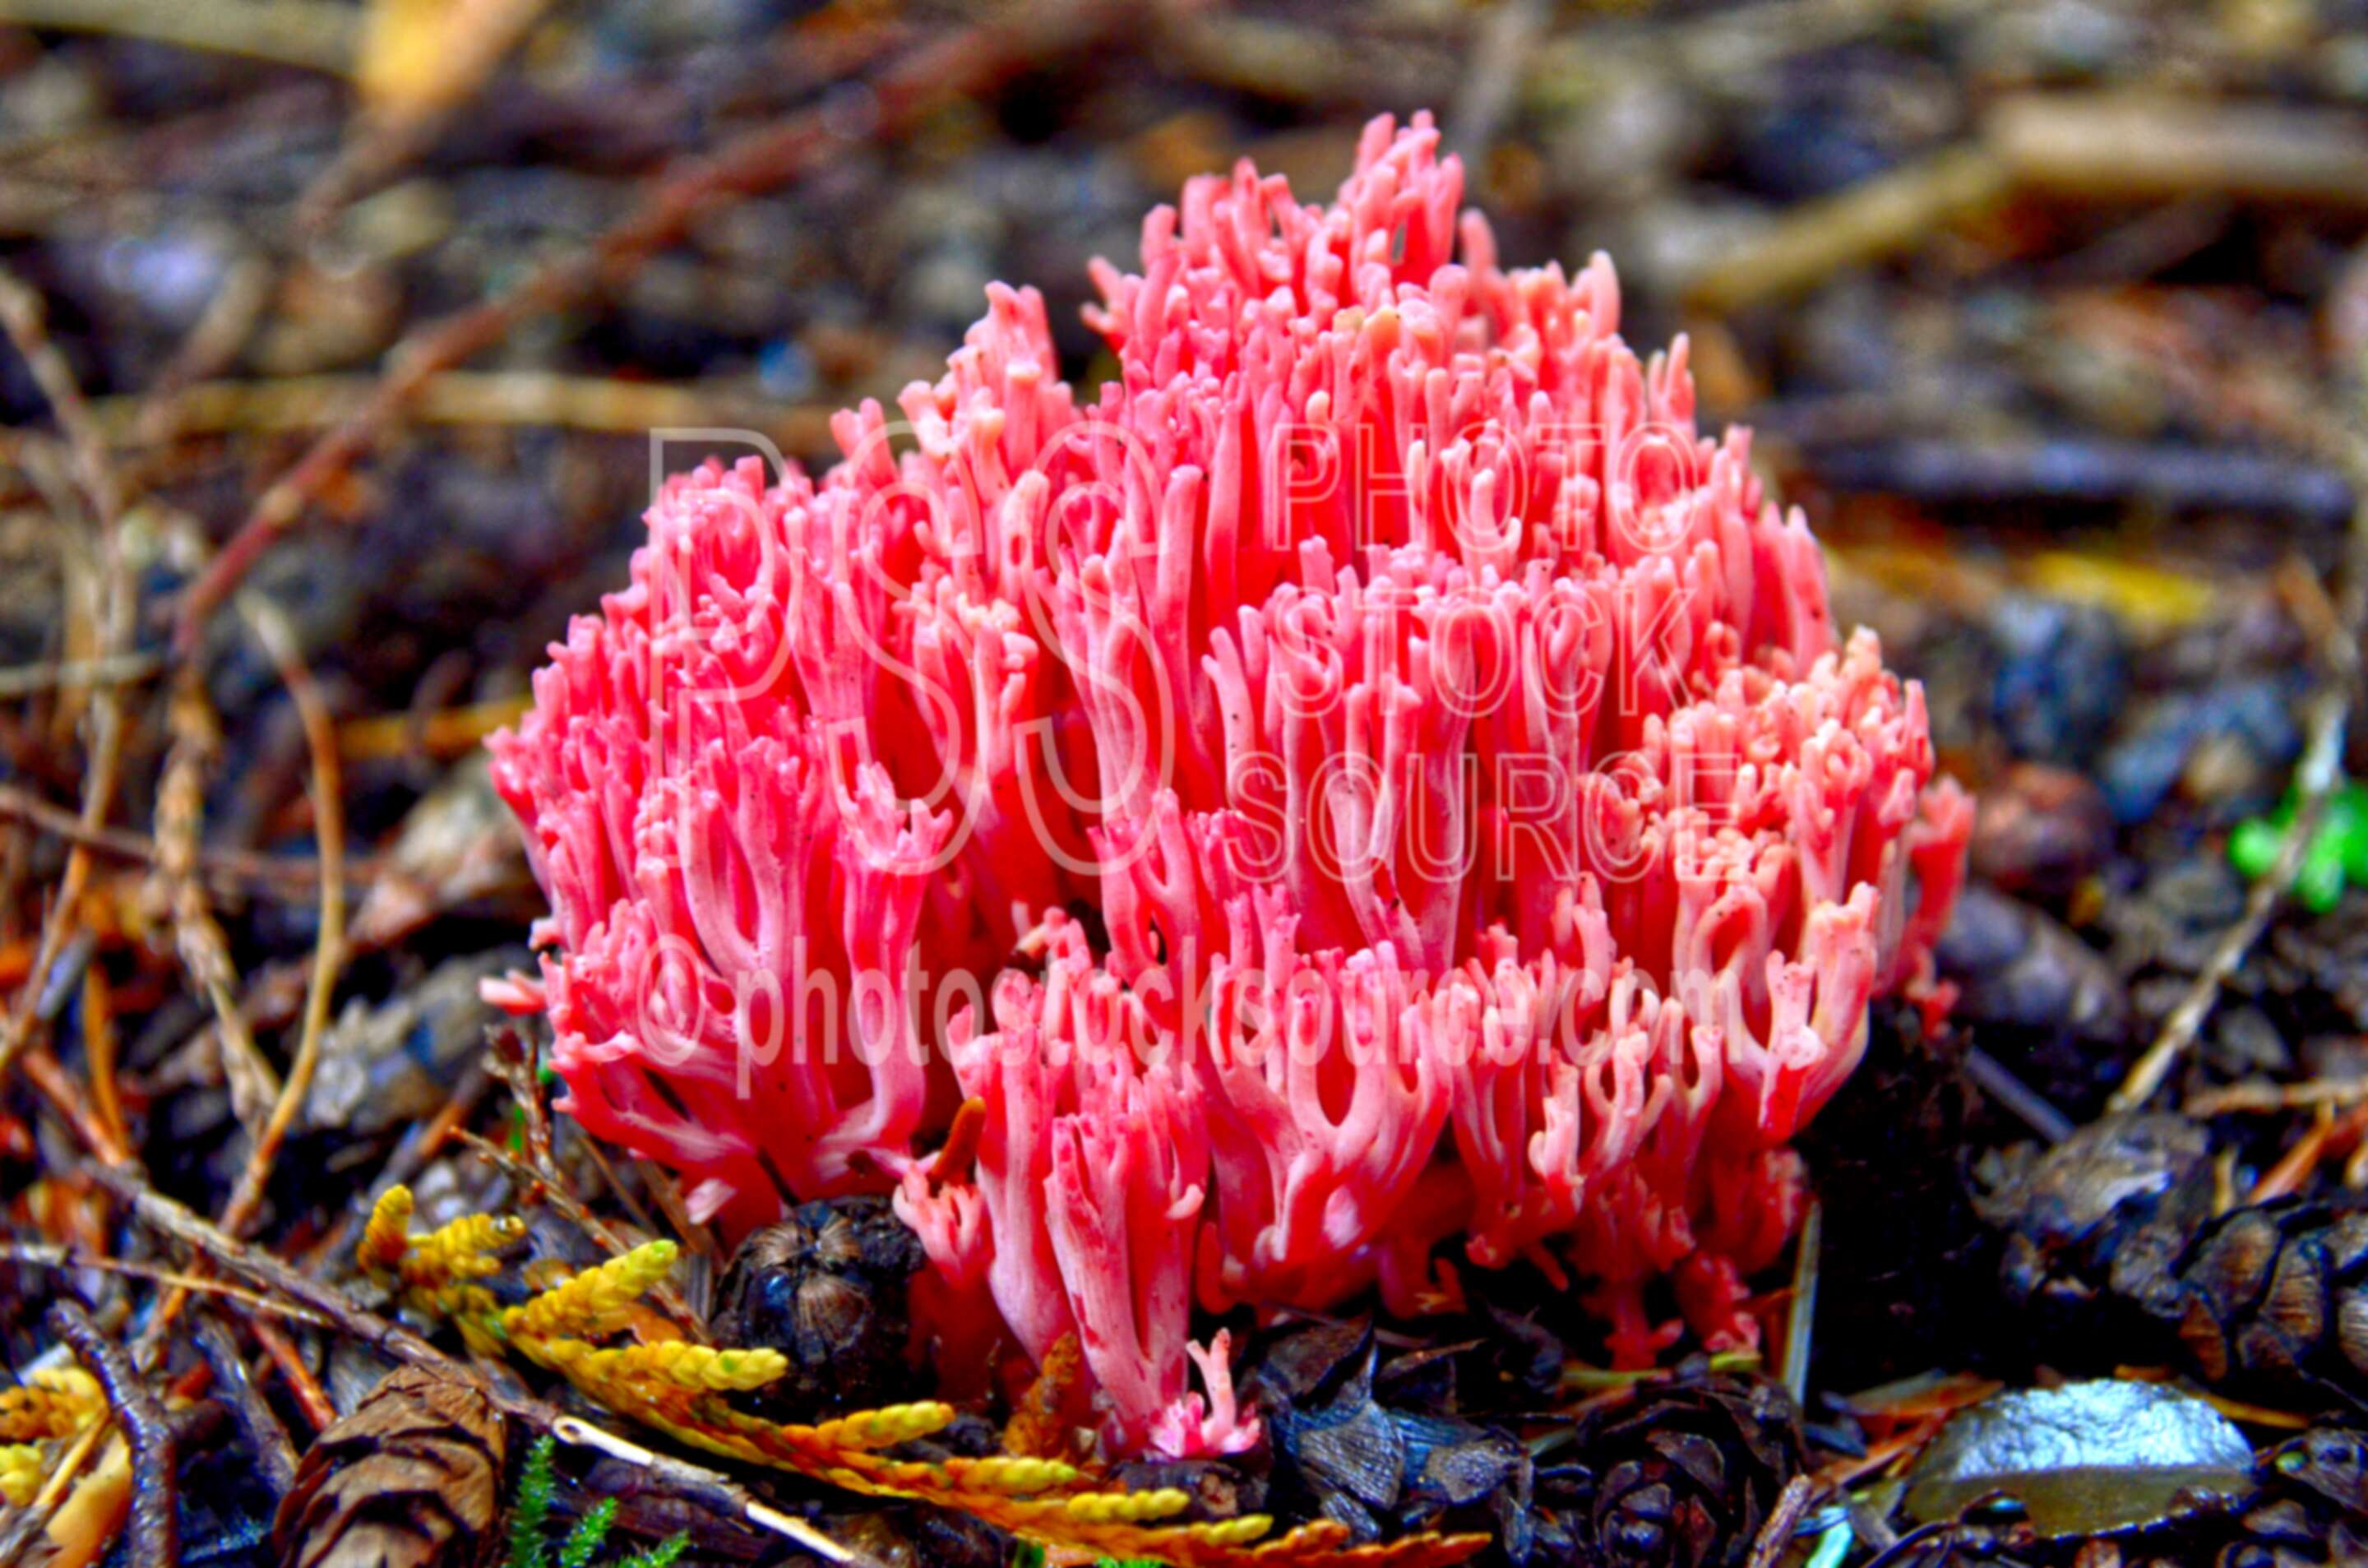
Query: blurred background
x=2049, y=313
x=2038, y=308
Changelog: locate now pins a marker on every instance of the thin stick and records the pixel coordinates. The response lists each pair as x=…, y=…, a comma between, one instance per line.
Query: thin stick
x=1800, y=1315
x=959, y=62
x=602, y=406
x=271, y=873
x=1783, y=1520
x=578, y=1433
x=2254, y=1095
x=99, y=1052
x=53, y=1254
x=302, y=1386
x=155, y=1530
x=198, y=939
x=1893, y=212
x=115, y=669
x=219, y=333
x=279, y=638
x=2315, y=780
x=26, y=320
x=54, y=1083
x=328, y=949
x=401, y=113
x=2036, y=1111
x=22, y=317
x=2126, y=148
x=2298, y=1162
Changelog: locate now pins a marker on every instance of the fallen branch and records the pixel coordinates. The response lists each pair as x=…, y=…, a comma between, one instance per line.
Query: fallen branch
x=155, y=1530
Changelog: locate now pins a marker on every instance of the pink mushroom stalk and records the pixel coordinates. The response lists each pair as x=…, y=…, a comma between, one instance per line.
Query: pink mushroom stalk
x=1370, y=777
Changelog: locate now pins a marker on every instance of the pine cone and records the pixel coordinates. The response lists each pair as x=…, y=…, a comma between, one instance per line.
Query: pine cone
x=1684, y=1475
x=2312, y=1508
x=410, y=1480
x=2268, y=1301
x=2273, y=1299
x=2090, y=1228
x=828, y=1288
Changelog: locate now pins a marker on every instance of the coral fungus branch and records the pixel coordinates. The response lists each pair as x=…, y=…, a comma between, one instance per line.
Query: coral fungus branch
x=1371, y=775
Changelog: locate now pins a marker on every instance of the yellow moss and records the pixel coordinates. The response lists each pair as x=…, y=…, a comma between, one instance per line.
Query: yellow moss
x=1015, y=1473
x=388, y=1235
x=886, y=1428
x=1128, y=1507
x=593, y=1302
x=687, y=1366
x=20, y=1473
x=460, y=1251
x=56, y=1402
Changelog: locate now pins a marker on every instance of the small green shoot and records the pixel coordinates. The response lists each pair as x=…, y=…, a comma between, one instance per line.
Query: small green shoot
x=531, y=1519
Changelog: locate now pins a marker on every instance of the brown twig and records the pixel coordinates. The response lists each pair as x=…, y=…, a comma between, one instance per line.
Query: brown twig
x=1893, y=212
x=53, y=1254
x=1783, y=1520
x=272, y=630
x=176, y=1220
x=2260, y=1096
x=27, y=680
x=302, y=1386
x=600, y=404
x=328, y=947
x=22, y=317
x=2315, y=777
x=99, y=1052
x=960, y=62
x=54, y=1083
x=235, y=1383
x=233, y=869
x=2297, y=1164
x=412, y=83
x=2125, y=147
x=198, y=939
x=228, y=321
x=26, y=321
x=155, y=1529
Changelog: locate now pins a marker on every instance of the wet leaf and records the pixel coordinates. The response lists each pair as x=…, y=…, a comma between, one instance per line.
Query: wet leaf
x=2086, y=1459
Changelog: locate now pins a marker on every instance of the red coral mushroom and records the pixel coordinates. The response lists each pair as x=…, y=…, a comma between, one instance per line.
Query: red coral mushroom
x=1374, y=774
